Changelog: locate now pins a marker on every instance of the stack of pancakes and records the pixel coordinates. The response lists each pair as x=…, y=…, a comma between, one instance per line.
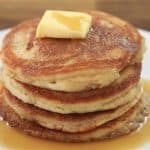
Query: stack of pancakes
x=74, y=89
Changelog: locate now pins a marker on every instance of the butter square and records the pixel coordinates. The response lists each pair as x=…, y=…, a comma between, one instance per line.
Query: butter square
x=64, y=24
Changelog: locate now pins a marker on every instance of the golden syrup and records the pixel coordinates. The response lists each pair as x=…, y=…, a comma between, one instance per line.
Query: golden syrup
x=10, y=139
x=72, y=22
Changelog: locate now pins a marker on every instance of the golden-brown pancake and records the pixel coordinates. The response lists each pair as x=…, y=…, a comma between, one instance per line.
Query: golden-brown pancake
x=72, y=64
x=128, y=122
x=121, y=91
x=67, y=123
x=74, y=90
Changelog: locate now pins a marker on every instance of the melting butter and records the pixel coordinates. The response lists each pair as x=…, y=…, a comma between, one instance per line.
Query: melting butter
x=72, y=22
x=64, y=24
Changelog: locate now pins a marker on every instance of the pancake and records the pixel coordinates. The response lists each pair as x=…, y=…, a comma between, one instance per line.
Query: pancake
x=118, y=93
x=72, y=65
x=128, y=122
x=67, y=123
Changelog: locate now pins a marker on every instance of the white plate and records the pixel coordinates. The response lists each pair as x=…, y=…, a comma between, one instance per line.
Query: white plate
x=145, y=74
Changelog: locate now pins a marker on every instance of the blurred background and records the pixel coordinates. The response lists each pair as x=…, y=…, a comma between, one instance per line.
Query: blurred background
x=135, y=11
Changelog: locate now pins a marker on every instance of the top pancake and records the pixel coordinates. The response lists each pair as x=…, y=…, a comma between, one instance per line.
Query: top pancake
x=72, y=64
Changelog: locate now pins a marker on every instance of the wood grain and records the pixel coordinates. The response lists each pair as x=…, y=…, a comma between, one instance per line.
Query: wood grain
x=14, y=11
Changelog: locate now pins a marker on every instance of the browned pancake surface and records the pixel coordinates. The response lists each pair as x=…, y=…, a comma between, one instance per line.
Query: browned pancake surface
x=92, y=94
x=34, y=129
x=106, y=46
x=68, y=123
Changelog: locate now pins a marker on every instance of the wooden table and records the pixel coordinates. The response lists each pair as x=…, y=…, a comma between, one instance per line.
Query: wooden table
x=135, y=11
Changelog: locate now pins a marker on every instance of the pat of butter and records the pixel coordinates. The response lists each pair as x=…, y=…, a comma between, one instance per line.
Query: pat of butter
x=64, y=24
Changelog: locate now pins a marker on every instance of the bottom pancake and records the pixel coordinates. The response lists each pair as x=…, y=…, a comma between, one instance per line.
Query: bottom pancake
x=66, y=122
x=128, y=122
